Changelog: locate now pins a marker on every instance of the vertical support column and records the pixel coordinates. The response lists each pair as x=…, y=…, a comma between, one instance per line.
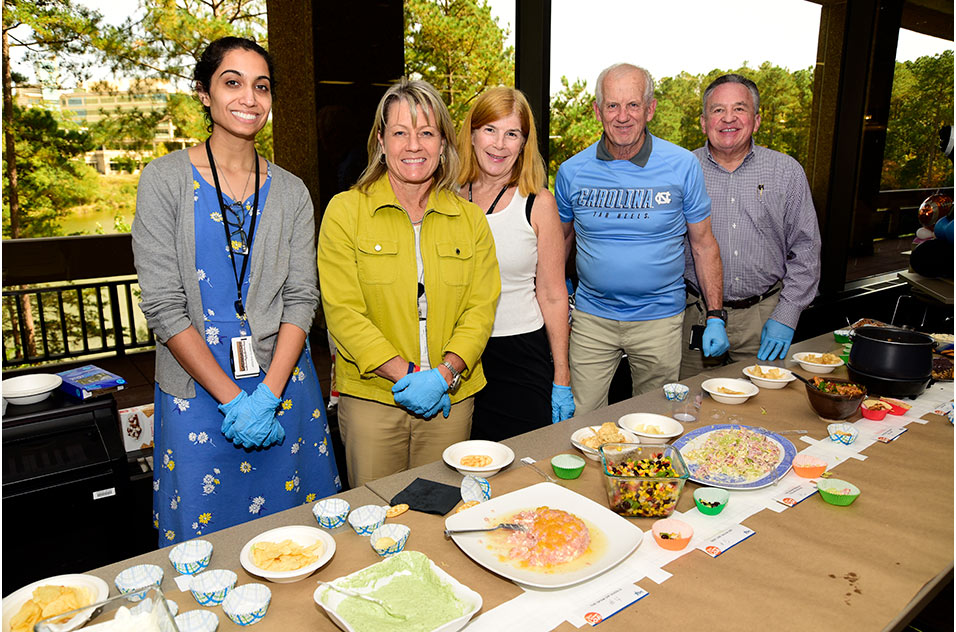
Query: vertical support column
x=533, y=63
x=293, y=109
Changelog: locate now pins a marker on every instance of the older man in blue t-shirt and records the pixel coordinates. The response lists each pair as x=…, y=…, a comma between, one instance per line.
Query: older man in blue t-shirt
x=629, y=199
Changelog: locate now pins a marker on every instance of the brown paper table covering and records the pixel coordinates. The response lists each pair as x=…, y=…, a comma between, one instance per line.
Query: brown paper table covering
x=869, y=566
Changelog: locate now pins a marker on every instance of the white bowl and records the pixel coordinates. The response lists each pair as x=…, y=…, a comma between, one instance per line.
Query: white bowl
x=331, y=512
x=635, y=422
x=714, y=384
x=397, y=532
x=301, y=535
x=501, y=456
x=30, y=389
x=367, y=518
x=585, y=432
x=815, y=367
x=191, y=556
x=136, y=580
x=209, y=588
x=769, y=382
x=197, y=621
x=247, y=604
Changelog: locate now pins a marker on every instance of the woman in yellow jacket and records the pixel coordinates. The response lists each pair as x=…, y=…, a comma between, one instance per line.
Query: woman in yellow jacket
x=409, y=281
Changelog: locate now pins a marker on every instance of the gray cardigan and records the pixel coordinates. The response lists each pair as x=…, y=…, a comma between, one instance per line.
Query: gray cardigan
x=282, y=287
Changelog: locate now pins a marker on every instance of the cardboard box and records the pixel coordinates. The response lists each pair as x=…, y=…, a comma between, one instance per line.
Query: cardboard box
x=136, y=426
x=90, y=381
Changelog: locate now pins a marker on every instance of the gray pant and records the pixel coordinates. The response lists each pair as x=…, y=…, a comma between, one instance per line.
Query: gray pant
x=743, y=331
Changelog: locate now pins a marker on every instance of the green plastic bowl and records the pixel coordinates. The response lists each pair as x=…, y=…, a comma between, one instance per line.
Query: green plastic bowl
x=711, y=501
x=567, y=465
x=842, y=335
x=830, y=489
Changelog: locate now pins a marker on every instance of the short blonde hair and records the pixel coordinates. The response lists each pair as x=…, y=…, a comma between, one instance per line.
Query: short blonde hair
x=418, y=94
x=495, y=104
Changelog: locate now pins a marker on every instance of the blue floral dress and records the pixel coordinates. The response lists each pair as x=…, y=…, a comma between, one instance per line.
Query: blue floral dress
x=202, y=482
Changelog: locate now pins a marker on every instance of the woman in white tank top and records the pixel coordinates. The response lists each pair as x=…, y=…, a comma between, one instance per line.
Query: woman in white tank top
x=526, y=359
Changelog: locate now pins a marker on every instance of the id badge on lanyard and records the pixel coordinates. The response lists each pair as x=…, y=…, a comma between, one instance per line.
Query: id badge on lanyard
x=241, y=353
x=243, y=358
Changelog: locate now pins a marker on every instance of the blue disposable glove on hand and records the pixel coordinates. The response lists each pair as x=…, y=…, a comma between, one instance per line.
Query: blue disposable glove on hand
x=256, y=420
x=231, y=410
x=775, y=340
x=562, y=403
x=715, y=343
x=422, y=393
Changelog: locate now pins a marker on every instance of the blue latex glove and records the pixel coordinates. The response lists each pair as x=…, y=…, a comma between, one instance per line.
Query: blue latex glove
x=775, y=340
x=715, y=343
x=231, y=410
x=423, y=393
x=562, y=403
x=255, y=422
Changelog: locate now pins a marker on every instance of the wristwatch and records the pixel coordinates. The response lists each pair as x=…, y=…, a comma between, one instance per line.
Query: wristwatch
x=455, y=377
x=717, y=313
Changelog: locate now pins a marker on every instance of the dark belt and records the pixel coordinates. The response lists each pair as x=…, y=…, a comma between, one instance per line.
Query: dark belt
x=743, y=303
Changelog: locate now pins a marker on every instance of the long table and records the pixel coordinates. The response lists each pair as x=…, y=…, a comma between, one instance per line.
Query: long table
x=870, y=566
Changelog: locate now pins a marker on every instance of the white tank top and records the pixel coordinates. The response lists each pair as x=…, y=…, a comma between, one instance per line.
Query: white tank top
x=517, y=248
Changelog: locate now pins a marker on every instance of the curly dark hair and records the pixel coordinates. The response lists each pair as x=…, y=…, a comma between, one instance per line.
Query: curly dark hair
x=212, y=57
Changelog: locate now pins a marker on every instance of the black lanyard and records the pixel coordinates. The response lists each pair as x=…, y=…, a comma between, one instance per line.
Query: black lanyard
x=252, y=226
x=491, y=209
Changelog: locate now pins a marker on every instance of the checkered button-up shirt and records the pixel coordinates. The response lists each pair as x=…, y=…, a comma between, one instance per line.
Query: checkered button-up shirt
x=763, y=218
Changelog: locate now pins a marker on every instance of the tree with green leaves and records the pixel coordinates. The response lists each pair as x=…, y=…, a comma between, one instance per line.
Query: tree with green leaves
x=42, y=28
x=922, y=102
x=573, y=123
x=458, y=47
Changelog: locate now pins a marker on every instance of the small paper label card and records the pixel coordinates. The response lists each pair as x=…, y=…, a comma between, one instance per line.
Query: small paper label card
x=796, y=494
x=726, y=540
x=609, y=605
x=891, y=434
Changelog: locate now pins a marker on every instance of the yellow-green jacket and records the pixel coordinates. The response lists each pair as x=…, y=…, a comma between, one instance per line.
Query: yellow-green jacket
x=369, y=282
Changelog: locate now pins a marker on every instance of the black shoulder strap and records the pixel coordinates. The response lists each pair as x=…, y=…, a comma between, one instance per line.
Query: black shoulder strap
x=527, y=208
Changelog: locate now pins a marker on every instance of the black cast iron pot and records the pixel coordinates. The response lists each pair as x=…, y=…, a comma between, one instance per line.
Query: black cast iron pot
x=889, y=387
x=891, y=353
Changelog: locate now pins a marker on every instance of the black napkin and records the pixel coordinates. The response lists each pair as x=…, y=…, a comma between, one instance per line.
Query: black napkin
x=429, y=496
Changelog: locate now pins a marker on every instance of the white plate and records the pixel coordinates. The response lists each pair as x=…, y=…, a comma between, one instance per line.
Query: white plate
x=302, y=535
x=712, y=386
x=591, y=453
x=769, y=382
x=501, y=456
x=464, y=593
x=815, y=367
x=98, y=589
x=669, y=426
x=620, y=535
x=30, y=389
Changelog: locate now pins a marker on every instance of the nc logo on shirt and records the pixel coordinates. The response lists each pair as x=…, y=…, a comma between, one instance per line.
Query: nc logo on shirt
x=662, y=198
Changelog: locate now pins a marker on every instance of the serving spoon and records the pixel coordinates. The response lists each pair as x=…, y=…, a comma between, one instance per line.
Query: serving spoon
x=352, y=593
x=801, y=378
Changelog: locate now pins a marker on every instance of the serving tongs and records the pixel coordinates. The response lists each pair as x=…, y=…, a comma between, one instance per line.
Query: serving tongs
x=510, y=526
x=352, y=593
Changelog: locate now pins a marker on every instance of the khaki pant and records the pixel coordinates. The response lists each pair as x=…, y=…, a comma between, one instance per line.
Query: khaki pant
x=381, y=440
x=743, y=330
x=596, y=348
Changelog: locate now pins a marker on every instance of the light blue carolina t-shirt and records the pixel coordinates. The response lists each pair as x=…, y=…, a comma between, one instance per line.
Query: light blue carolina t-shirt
x=630, y=223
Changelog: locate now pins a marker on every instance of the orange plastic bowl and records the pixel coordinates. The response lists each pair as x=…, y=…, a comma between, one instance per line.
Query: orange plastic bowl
x=808, y=466
x=672, y=534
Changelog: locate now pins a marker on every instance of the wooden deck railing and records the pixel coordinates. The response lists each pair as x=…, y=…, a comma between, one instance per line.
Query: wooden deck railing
x=69, y=297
